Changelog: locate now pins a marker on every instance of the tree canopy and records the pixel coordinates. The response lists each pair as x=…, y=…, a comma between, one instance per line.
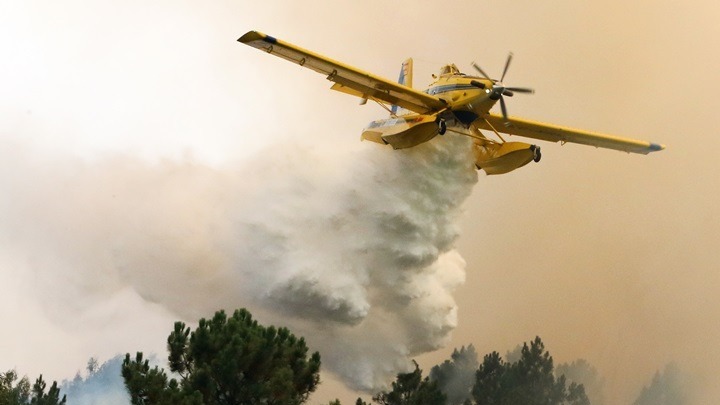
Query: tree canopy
x=228, y=361
x=410, y=389
x=13, y=391
x=528, y=381
x=19, y=392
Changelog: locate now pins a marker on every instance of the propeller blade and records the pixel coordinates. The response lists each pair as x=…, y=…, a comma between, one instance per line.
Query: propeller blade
x=482, y=72
x=498, y=90
x=504, y=109
x=521, y=90
x=507, y=65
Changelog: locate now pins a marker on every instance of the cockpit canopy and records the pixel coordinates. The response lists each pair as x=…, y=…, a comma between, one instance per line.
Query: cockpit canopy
x=450, y=69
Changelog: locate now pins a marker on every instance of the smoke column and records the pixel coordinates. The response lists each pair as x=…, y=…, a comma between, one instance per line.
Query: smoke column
x=349, y=246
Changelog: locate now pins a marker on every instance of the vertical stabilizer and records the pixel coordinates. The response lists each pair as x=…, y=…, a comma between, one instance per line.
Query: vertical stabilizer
x=406, y=73
x=406, y=76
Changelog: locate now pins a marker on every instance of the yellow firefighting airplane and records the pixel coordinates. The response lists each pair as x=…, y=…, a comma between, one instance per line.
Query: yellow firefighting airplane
x=454, y=102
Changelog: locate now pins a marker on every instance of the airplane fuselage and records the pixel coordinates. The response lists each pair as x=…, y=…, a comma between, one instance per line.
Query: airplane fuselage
x=467, y=98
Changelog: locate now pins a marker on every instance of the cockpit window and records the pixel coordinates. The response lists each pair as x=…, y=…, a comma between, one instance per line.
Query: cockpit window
x=449, y=70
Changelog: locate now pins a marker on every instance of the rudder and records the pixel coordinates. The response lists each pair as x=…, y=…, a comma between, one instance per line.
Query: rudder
x=406, y=78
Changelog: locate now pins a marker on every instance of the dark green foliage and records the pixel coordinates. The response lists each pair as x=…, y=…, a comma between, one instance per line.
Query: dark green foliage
x=39, y=397
x=151, y=386
x=12, y=391
x=491, y=383
x=410, y=389
x=20, y=393
x=228, y=361
x=456, y=377
x=529, y=381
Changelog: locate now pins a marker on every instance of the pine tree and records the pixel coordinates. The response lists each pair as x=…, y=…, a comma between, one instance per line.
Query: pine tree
x=410, y=389
x=19, y=392
x=227, y=361
x=528, y=381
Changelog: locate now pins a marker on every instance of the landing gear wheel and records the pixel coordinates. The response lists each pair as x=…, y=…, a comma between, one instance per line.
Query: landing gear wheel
x=537, y=155
x=442, y=126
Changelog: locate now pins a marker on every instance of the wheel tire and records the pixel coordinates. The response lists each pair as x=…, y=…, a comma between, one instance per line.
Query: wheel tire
x=442, y=127
x=538, y=155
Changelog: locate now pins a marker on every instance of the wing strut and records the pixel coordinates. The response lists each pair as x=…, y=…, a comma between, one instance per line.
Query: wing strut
x=493, y=129
x=392, y=114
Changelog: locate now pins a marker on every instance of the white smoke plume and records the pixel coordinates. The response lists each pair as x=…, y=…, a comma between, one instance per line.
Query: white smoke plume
x=102, y=386
x=351, y=247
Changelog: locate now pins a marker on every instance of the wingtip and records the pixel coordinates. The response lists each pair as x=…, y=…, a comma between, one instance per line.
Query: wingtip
x=251, y=36
x=656, y=147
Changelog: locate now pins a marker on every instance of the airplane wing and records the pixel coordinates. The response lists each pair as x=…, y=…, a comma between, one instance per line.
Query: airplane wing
x=348, y=79
x=556, y=133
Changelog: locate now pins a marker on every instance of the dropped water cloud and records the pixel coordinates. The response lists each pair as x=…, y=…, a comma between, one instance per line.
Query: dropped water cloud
x=350, y=246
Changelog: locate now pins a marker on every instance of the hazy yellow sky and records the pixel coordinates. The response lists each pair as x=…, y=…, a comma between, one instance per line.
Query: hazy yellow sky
x=607, y=256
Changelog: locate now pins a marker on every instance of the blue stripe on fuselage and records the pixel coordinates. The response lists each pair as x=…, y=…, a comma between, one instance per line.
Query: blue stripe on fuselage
x=449, y=87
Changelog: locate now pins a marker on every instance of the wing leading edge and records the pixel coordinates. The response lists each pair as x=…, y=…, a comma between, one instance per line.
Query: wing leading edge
x=557, y=133
x=347, y=79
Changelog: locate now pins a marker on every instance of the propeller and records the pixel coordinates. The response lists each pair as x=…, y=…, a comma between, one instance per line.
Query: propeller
x=499, y=90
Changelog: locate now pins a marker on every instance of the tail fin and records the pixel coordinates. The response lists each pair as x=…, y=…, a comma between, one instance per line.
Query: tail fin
x=406, y=76
x=406, y=73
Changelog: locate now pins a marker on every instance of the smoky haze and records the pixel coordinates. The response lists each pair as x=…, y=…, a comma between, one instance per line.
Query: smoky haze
x=608, y=257
x=353, y=249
